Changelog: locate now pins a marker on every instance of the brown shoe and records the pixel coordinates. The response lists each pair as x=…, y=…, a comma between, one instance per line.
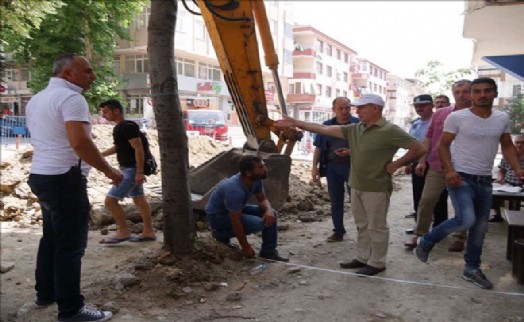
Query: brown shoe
x=370, y=270
x=412, y=243
x=335, y=237
x=353, y=264
x=457, y=246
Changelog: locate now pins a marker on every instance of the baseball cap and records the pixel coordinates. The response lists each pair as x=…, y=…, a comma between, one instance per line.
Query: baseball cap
x=369, y=99
x=422, y=99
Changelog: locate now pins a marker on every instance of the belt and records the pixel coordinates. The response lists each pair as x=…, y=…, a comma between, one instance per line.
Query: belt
x=476, y=178
x=339, y=161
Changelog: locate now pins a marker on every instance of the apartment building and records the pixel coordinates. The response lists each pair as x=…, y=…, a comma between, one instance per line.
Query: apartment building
x=399, y=99
x=200, y=79
x=321, y=73
x=369, y=78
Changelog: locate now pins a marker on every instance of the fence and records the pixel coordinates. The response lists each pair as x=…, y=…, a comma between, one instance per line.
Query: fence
x=13, y=130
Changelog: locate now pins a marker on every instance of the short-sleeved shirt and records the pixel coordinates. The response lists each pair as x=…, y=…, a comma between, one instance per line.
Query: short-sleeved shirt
x=419, y=128
x=509, y=174
x=476, y=140
x=231, y=195
x=434, y=134
x=122, y=133
x=47, y=113
x=371, y=150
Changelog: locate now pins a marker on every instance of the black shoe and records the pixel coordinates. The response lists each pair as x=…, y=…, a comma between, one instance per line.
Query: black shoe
x=410, y=231
x=353, y=264
x=370, y=270
x=410, y=215
x=273, y=256
x=496, y=219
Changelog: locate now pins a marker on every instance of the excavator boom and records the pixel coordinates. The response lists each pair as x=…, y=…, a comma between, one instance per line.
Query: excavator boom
x=231, y=25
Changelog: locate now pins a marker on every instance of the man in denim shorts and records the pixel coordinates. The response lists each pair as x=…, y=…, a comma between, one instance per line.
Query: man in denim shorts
x=130, y=155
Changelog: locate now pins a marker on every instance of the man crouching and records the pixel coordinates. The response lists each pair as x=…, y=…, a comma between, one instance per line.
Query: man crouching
x=229, y=215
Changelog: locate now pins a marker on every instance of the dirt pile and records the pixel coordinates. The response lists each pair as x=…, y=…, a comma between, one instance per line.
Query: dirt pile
x=20, y=205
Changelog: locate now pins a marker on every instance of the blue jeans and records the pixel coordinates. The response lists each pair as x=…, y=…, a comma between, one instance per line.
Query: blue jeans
x=252, y=222
x=472, y=203
x=337, y=175
x=65, y=211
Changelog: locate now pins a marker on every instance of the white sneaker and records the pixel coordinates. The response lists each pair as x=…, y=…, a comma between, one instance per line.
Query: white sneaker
x=88, y=314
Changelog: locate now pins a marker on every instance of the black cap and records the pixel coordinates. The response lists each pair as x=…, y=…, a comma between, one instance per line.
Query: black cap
x=422, y=99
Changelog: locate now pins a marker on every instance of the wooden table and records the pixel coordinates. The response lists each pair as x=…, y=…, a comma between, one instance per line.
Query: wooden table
x=515, y=220
x=514, y=198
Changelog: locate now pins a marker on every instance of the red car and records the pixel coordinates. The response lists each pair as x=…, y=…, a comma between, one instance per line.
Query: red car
x=206, y=122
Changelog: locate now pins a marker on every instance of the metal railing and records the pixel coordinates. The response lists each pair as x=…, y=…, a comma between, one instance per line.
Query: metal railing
x=13, y=130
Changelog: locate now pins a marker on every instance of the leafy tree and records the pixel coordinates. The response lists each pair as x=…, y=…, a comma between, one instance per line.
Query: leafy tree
x=516, y=113
x=437, y=80
x=87, y=27
x=179, y=226
x=21, y=16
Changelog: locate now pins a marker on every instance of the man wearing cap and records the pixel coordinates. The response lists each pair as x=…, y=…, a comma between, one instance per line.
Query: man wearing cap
x=424, y=107
x=435, y=183
x=374, y=141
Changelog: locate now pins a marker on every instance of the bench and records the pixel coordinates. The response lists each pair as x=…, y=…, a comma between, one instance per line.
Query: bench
x=518, y=260
x=515, y=220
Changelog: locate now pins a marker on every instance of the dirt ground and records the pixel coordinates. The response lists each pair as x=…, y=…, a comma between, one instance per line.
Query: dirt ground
x=214, y=284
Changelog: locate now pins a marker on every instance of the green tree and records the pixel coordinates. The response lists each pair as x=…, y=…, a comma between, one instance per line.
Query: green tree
x=179, y=226
x=19, y=17
x=87, y=27
x=516, y=114
x=437, y=80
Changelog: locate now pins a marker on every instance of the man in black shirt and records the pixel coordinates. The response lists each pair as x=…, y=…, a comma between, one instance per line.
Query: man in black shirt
x=130, y=155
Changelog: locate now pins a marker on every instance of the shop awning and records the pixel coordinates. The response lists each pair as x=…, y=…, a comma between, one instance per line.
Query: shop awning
x=511, y=64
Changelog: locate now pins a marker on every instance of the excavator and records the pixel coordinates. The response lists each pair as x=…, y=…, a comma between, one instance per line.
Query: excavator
x=231, y=25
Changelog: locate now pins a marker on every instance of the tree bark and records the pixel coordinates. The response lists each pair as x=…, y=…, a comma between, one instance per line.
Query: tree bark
x=179, y=226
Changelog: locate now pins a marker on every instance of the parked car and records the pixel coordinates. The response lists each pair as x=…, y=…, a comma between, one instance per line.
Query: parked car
x=206, y=122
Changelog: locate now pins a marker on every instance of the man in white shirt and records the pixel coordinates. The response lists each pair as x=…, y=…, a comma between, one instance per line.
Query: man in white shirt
x=60, y=124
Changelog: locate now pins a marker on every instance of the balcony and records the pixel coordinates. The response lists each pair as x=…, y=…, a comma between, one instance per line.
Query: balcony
x=302, y=75
x=301, y=98
x=305, y=52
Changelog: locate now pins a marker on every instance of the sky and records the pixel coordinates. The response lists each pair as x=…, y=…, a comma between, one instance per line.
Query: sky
x=400, y=36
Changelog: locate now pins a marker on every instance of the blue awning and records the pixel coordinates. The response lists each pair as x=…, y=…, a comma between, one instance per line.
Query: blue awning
x=511, y=64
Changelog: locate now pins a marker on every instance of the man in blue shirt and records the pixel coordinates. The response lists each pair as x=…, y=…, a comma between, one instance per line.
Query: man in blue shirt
x=331, y=160
x=229, y=215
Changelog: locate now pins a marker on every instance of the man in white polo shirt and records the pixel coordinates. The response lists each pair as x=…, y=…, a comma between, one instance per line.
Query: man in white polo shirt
x=60, y=124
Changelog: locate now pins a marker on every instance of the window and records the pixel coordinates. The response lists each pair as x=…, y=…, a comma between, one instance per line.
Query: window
x=292, y=89
x=185, y=67
x=328, y=91
x=345, y=93
x=346, y=57
x=345, y=76
x=200, y=30
x=288, y=56
x=319, y=89
x=329, y=50
x=136, y=64
x=320, y=68
x=364, y=67
x=338, y=92
x=209, y=71
x=9, y=75
x=329, y=71
x=180, y=21
x=339, y=54
x=142, y=19
x=319, y=46
x=288, y=30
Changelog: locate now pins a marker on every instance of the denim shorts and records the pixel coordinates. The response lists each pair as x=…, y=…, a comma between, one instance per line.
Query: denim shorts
x=128, y=187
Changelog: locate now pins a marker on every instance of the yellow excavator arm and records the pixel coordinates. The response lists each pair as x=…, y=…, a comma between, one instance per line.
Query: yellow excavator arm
x=231, y=27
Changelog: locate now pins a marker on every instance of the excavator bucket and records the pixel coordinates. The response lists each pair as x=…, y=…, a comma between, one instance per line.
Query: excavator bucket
x=206, y=177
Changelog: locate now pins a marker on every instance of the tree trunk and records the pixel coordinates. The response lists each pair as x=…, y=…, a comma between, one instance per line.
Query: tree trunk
x=179, y=226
